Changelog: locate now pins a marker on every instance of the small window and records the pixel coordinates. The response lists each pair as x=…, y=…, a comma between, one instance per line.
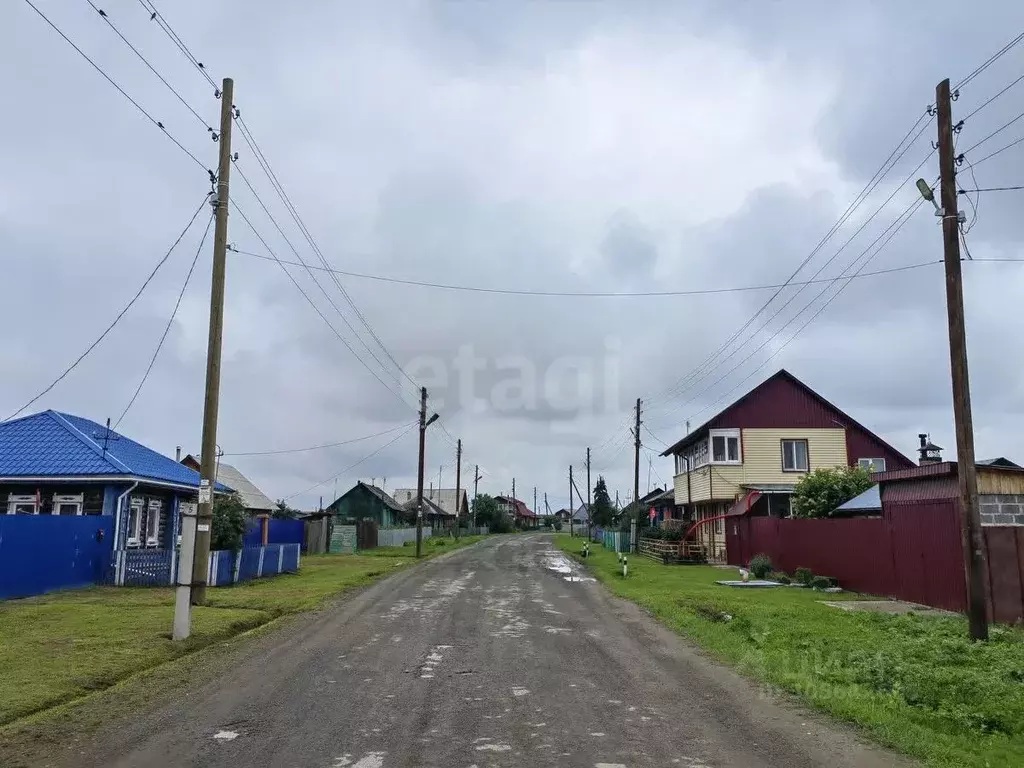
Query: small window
x=725, y=446
x=134, y=522
x=872, y=465
x=794, y=456
x=67, y=505
x=21, y=505
x=153, y=522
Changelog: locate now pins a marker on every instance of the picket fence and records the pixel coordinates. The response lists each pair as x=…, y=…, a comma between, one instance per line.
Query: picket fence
x=159, y=567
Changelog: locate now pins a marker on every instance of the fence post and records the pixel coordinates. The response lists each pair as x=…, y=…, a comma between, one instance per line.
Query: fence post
x=174, y=566
x=259, y=569
x=238, y=567
x=280, y=559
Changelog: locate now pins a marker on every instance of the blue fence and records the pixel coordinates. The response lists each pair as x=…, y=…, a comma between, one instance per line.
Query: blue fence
x=281, y=532
x=42, y=553
x=142, y=568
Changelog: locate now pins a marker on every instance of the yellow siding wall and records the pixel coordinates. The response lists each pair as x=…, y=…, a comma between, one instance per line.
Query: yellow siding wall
x=762, y=462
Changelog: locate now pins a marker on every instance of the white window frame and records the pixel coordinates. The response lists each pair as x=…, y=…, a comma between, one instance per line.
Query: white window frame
x=135, y=523
x=15, y=500
x=872, y=465
x=807, y=455
x=61, y=499
x=727, y=435
x=154, y=511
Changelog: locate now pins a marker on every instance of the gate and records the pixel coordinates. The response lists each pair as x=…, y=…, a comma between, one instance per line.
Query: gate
x=366, y=534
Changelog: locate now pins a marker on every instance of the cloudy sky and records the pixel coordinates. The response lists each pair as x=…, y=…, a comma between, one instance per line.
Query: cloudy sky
x=560, y=146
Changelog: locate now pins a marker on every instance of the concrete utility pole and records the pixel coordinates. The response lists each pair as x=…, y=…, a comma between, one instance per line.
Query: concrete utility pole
x=458, y=486
x=476, y=491
x=572, y=511
x=970, y=518
x=635, y=523
x=208, y=456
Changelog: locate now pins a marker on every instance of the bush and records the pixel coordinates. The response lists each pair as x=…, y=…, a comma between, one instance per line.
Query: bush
x=821, y=582
x=558, y=525
x=439, y=542
x=229, y=521
x=780, y=577
x=803, y=576
x=673, y=534
x=760, y=566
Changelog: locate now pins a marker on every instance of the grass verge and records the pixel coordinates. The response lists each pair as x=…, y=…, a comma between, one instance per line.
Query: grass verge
x=914, y=683
x=71, y=661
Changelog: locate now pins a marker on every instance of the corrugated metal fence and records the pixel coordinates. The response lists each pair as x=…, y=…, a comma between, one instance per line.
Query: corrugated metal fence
x=397, y=537
x=280, y=532
x=158, y=567
x=913, y=553
x=41, y=553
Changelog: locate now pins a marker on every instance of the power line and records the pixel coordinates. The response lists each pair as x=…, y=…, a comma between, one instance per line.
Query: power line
x=117, y=319
x=888, y=164
x=120, y=90
x=990, y=61
x=993, y=98
x=309, y=271
x=161, y=20
x=905, y=216
x=998, y=151
x=576, y=294
x=167, y=328
x=793, y=298
x=316, y=308
x=353, y=466
x=995, y=132
x=319, y=447
x=989, y=189
x=106, y=18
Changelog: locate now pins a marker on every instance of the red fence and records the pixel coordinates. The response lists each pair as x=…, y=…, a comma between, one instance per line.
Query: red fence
x=912, y=553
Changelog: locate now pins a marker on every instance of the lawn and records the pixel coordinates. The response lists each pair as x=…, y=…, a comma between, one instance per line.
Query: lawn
x=58, y=647
x=914, y=683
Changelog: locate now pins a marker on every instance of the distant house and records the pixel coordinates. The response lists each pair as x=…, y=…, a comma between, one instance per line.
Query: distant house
x=749, y=456
x=563, y=515
x=433, y=514
x=580, y=516
x=367, y=502
x=517, y=511
x=661, y=501
x=255, y=501
x=445, y=498
x=53, y=463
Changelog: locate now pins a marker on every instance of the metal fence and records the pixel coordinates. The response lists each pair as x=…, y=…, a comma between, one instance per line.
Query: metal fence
x=158, y=567
x=397, y=537
x=41, y=553
x=278, y=532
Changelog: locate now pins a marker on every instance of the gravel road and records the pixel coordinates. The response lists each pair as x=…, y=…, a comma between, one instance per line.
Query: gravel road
x=502, y=654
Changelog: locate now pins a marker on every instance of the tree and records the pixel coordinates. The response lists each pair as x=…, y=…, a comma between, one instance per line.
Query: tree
x=819, y=492
x=283, y=512
x=602, y=513
x=485, y=510
x=229, y=520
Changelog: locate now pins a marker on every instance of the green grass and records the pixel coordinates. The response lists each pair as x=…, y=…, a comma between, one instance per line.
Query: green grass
x=914, y=683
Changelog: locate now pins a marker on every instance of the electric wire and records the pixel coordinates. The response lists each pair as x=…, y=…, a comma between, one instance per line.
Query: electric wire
x=991, y=99
x=119, y=316
x=170, y=321
x=574, y=294
x=990, y=61
x=144, y=60
x=278, y=452
x=120, y=90
x=353, y=466
x=161, y=20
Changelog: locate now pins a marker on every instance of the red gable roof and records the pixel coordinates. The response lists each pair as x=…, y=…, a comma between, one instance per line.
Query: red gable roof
x=521, y=509
x=782, y=401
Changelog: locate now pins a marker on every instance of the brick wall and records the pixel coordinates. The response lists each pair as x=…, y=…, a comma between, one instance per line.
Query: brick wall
x=1001, y=509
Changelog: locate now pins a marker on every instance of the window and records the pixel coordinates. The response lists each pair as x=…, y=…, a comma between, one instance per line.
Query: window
x=68, y=505
x=794, y=456
x=872, y=465
x=153, y=522
x=134, y=522
x=21, y=505
x=725, y=446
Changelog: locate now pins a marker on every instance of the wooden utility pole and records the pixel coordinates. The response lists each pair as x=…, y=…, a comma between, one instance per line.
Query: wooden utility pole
x=419, y=473
x=635, y=523
x=476, y=492
x=970, y=518
x=589, y=523
x=572, y=512
x=458, y=486
x=535, y=499
x=211, y=406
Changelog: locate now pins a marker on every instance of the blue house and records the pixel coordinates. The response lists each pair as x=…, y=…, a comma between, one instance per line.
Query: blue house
x=53, y=463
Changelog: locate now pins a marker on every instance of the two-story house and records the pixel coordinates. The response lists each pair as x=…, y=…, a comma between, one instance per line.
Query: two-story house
x=749, y=456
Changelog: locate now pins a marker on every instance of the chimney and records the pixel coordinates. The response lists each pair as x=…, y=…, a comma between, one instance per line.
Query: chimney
x=929, y=453
x=177, y=454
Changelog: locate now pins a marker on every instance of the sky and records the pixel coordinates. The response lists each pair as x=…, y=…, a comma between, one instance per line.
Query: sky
x=568, y=147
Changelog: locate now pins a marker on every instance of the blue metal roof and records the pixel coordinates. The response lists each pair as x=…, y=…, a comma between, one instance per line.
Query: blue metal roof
x=870, y=500
x=54, y=444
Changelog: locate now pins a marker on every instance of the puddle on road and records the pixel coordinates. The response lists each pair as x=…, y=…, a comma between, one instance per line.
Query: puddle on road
x=558, y=563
